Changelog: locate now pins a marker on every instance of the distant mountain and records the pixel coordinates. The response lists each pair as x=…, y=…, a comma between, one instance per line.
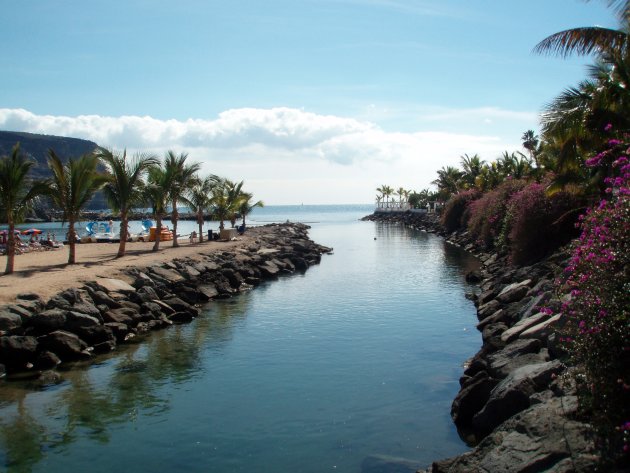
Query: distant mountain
x=36, y=147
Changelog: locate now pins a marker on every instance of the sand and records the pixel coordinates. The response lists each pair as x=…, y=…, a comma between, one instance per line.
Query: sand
x=46, y=272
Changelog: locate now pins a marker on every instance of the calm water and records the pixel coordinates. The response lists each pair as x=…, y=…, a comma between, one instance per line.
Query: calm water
x=359, y=356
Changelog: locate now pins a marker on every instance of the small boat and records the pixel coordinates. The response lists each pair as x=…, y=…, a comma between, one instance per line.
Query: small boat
x=99, y=232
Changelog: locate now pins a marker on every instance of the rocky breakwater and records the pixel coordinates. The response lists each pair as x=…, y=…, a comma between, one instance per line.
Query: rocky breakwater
x=517, y=406
x=515, y=403
x=79, y=323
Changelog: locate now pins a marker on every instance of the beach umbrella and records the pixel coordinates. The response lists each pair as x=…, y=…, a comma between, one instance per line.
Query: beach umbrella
x=31, y=231
x=6, y=232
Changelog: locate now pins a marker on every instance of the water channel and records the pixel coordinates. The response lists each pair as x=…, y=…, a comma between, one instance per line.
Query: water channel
x=358, y=357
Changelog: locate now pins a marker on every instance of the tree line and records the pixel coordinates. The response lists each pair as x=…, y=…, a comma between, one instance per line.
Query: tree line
x=128, y=182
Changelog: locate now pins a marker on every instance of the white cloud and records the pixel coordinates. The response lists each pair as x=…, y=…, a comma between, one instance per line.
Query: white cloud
x=267, y=147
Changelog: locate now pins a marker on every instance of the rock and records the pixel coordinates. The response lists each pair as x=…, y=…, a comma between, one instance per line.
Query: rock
x=512, y=394
x=102, y=298
x=181, y=317
x=269, y=270
x=473, y=276
x=544, y=329
x=47, y=360
x=514, y=292
x=488, y=309
x=75, y=320
x=170, y=275
x=208, y=291
x=513, y=332
x=114, y=285
x=16, y=352
x=94, y=335
x=502, y=367
x=66, y=345
x=543, y=438
x=49, y=320
x=500, y=315
x=147, y=294
x=472, y=398
x=121, y=331
x=179, y=305
x=9, y=321
x=123, y=315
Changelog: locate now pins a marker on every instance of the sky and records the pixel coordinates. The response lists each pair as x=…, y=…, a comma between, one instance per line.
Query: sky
x=307, y=101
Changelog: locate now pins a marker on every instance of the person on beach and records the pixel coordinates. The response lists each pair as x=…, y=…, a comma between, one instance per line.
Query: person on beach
x=111, y=225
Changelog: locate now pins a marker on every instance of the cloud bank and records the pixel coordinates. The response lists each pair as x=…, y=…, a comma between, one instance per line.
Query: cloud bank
x=339, y=159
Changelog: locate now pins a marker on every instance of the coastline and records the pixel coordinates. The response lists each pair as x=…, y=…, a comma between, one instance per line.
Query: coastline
x=104, y=301
x=516, y=408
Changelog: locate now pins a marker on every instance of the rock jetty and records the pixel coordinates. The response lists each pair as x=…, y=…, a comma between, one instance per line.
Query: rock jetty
x=516, y=407
x=77, y=324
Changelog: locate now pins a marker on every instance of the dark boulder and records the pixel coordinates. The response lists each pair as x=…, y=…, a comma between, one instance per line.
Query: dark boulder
x=66, y=345
x=18, y=352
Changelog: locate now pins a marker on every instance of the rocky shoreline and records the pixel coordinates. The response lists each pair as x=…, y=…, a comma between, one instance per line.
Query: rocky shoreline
x=515, y=407
x=36, y=335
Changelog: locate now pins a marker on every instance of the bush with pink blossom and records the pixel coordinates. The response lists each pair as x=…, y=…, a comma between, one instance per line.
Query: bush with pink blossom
x=597, y=314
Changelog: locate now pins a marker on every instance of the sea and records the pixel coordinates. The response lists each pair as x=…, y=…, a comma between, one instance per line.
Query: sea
x=352, y=364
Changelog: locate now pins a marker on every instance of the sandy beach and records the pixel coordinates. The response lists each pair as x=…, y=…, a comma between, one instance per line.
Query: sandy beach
x=47, y=272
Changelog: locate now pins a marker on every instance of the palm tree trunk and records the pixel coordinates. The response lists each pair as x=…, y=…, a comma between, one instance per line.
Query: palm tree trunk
x=71, y=242
x=174, y=218
x=123, y=234
x=200, y=222
x=158, y=232
x=10, y=248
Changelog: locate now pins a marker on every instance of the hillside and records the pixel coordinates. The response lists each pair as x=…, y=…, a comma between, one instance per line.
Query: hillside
x=36, y=147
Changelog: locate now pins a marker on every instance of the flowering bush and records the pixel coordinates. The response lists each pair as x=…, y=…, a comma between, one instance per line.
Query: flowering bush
x=454, y=215
x=536, y=223
x=597, y=331
x=488, y=213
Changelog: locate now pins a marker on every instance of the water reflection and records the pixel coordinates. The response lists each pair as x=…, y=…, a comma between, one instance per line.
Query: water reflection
x=91, y=400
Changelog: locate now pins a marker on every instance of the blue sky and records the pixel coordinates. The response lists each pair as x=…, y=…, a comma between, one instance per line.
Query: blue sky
x=308, y=101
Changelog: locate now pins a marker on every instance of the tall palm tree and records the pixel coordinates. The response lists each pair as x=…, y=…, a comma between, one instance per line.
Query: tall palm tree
x=199, y=199
x=124, y=189
x=155, y=193
x=530, y=143
x=71, y=187
x=386, y=191
x=182, y=177
x=17, y=195
x=246, y=205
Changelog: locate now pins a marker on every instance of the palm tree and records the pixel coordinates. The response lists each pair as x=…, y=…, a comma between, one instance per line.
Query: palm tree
x=588, y=40
x=124, y=189
x=225, y=200
x=199, y=199
x=72, y=186
x=155, y=193
x=386, y=191
x=16, y=195
x=246, y=206
x=182, y=177
x=530, y=143
x=448, y=181
x=471, y=166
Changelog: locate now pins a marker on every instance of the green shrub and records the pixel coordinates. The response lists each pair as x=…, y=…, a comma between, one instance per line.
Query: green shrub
x=536, y=224
x=487, y=214
x=454, y=215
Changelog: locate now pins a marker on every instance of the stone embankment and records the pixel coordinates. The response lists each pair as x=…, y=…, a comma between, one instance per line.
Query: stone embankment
x=515, y=404
x=79, y=323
